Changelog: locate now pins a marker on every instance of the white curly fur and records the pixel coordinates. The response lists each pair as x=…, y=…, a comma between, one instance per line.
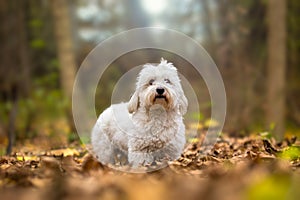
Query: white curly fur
x=149, y=127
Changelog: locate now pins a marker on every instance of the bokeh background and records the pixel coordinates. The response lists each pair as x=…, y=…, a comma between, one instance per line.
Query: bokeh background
x=255, y=44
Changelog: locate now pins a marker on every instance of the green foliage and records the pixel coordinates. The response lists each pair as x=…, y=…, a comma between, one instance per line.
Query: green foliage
x=85, y=139
x=42, y=108
x=291, y=153
x=196, y=116
x=5, y=108
x=73, y=137
x=35, y=23
x=269, y=133
x=275, y=187
x=38, y=43
x=2, y=151
x=266, y=135
x=42, y=105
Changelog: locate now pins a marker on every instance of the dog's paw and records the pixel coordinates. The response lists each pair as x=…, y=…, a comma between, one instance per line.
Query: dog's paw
x=139, y=159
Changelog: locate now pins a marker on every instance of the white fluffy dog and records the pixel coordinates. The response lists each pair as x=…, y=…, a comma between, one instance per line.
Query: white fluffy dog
x=149, y=128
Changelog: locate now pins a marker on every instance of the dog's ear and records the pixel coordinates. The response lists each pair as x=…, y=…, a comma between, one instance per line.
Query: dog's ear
x=133, y=103
x=183, y=103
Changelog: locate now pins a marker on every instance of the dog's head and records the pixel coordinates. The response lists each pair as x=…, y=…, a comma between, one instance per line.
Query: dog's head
x=158, y=84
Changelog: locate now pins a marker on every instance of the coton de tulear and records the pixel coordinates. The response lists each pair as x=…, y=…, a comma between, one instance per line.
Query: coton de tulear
x=149, y=128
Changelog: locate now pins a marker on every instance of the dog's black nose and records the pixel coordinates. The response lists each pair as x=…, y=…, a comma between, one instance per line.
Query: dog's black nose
x=160, y=90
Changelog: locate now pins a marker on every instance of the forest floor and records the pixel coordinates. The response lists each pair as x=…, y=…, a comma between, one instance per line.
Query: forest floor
x=235, y=168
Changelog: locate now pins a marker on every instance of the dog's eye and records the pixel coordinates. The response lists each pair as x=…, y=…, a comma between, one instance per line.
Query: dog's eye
x=151, y=82
x=167, y=80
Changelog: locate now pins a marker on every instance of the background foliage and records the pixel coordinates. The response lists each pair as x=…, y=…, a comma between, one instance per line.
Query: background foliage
x=39, y=57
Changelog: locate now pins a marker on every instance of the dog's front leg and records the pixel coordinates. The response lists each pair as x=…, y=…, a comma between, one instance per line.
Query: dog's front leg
x=138, y=159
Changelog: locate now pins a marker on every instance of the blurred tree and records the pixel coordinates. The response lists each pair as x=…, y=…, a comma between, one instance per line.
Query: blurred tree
x=240, y=56
x=293, y=60
x=276, y=66
x=208, y=23
x=15, y=64
x=65, y=49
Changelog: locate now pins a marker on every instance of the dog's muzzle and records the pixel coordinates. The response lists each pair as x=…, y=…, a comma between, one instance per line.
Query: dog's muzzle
x=160, y=94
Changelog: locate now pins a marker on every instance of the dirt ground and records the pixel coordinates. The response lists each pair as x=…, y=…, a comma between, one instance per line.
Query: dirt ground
x=235, y=168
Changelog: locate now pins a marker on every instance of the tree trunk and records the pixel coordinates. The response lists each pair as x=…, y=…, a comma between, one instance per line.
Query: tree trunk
x=208, y=24
x=276, y=66
x=63, y=36
x=14, y=60
x=65, y=49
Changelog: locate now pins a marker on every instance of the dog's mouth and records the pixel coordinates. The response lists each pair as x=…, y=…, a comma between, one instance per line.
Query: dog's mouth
x=160, y=97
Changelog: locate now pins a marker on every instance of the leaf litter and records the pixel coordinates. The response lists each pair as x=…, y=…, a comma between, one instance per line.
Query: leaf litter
x=234, y=168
